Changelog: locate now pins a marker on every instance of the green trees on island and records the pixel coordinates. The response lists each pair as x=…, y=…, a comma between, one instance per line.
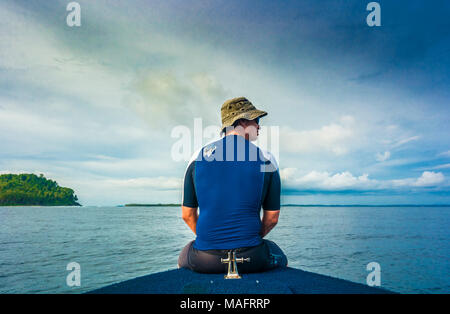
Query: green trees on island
x=30, y=189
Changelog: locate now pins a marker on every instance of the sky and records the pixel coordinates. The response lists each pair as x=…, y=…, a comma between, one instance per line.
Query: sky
x=362, y=112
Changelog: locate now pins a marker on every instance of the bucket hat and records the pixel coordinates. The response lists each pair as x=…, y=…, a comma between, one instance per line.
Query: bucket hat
x=239, y=108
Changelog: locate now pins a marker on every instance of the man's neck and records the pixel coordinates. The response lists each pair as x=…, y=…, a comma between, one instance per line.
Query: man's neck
x=234, y=132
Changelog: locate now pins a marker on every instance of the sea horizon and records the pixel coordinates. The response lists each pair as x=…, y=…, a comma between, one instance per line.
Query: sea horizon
x=293, y=205
x=282, y=205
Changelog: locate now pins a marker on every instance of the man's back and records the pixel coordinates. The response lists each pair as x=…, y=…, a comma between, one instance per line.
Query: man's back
x=229, y=180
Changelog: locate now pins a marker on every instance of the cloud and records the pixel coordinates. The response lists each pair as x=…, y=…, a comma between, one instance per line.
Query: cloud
x=405, y=140
x=25, y=122
x=156, y=183
x=326, y=181
x=427, y=179
x=383, y=157
x=120, y=167
x=105, y=66
x=444, y=166
x=334, y=137
x=167, y=97
x=445, y=154
x=29, y=131
x=341, y=181
x=96, y=190
x=93, y=105
x=394, y=143
x=39, y=65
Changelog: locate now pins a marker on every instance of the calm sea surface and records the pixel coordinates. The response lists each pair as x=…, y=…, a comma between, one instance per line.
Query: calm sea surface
x=112, y=244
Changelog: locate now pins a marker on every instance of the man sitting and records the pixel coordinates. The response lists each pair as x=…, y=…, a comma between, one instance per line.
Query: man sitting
x=230, y=180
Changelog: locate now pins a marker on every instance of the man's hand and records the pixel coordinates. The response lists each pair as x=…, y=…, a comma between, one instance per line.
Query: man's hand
x=269, y=220
x=190, y=216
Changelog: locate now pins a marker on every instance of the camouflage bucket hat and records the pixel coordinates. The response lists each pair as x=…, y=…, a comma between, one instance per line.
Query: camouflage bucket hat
x=239, y=108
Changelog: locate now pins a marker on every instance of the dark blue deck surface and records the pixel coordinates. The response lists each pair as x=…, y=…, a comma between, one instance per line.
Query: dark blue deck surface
x=278, y=281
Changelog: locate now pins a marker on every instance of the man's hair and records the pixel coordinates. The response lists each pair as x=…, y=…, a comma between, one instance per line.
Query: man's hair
x=234, y=125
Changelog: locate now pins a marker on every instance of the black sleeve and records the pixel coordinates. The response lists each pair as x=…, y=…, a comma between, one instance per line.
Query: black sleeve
x=271, y=191
x=189, y=196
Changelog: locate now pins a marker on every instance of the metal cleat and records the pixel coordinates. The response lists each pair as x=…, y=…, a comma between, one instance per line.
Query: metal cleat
x=232, y=266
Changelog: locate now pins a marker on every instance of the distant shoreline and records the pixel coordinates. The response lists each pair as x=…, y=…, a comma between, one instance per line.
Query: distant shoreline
x=151, y=205
x=360, y=205
x=301, y=205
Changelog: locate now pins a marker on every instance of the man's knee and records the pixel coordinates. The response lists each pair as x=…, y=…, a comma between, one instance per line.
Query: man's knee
x=277, y=256
x=183, y=258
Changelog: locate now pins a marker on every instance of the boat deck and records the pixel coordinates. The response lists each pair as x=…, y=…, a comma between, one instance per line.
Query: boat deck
x=278, y=281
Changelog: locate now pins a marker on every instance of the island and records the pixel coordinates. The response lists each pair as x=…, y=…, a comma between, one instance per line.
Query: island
x=29, y=189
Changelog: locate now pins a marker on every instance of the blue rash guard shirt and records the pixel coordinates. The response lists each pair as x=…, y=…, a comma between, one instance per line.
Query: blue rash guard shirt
x=230, y=180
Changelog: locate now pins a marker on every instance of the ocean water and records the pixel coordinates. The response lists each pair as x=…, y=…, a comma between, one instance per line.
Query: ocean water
x=112, y=244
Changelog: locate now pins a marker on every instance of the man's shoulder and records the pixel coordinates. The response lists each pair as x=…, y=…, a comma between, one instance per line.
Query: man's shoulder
x=269, y=158
x=205, y=150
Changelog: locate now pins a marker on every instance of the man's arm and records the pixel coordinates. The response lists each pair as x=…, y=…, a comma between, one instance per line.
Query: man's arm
x=190, y=216
x=271, y=199
x=189, y=202
x=269, y=220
